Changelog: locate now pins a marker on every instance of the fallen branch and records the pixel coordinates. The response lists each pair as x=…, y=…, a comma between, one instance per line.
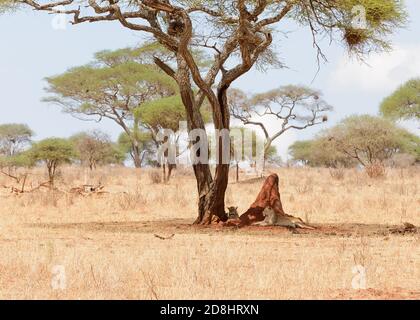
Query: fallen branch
x=164, y=238
x=87, y=190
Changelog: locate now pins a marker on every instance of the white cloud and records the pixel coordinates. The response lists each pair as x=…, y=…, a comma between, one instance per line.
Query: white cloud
x=382, y=72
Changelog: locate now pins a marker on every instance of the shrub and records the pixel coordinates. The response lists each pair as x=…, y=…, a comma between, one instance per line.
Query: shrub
x=375, y=170
x=155, y=177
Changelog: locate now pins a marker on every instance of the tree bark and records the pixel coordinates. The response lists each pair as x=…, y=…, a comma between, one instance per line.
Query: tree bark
x=237, y=172
x=211, y=192
x=137, y=159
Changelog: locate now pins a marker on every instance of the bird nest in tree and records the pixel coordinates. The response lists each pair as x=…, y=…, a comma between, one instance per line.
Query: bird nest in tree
x=355, y=37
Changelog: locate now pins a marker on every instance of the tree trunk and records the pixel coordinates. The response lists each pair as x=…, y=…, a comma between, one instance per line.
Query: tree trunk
x=137, y=159
x=164, y=172
x=170, y=168
x=237, y=172
x=211, y=192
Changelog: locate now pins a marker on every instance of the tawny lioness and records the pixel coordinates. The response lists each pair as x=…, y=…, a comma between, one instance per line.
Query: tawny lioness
x=274, y=219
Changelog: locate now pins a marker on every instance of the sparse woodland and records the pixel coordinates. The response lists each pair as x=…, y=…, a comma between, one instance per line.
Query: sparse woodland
x=129, y=221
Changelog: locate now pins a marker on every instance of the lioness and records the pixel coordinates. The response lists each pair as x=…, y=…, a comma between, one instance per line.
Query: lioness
x=274, y=219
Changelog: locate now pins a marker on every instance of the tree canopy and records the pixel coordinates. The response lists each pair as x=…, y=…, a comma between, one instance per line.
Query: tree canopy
x=292, y=107
x=14, y=137
x=404, y=103
x=53, y=152
x=109, y=91
x=7, y=5
x=362, y=139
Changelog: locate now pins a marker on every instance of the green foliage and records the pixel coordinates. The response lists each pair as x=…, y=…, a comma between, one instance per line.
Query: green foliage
x=366, y=138
x=382, y=18
x=404, y=103
x=301, y=151
x=143, y=54
x=319, y=152
x=21, y=160
x=163, y=113
x=53, y=149
x=409, y=143
x=13, y=137
x=94, y=90
x=360, y=139
x=53, y=152
x=142, y=137
x=143, y=142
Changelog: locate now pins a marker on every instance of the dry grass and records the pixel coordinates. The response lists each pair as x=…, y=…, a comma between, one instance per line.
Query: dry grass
x=107, y=247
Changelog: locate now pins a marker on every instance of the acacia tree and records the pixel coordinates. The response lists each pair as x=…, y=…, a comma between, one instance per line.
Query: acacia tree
x=112, y=87
x=145, y=144
x=53, y=152
x=292, y=107
x=14, y=137
x=240, y=34
x=369, y=140
x=165, y=113
x=320, y=152
x=404, y=103
x=96, y=148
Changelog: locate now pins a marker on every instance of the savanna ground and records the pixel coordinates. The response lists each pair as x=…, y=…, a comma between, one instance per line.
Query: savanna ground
x=107, y=248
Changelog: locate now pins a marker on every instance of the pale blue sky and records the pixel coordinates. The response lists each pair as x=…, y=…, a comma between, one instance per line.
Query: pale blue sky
x=32, y=50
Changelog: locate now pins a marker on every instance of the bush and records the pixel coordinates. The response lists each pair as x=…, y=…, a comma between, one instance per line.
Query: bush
x=375, y=170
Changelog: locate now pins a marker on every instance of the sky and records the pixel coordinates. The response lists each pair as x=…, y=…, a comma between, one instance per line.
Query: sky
x=35, y=45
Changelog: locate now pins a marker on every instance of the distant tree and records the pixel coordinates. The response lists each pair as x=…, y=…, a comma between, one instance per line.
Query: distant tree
x=146, y=146
x=165, y=113
x=53, y=152
x=96, y=148
x=13, y=138
x=369, y=139
x=319, y=152
x=10, y=164
x=112, y=87
x=301, y=151
x=292, y=107
x=404, y=103
x=410, y=144
x=273, y=156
